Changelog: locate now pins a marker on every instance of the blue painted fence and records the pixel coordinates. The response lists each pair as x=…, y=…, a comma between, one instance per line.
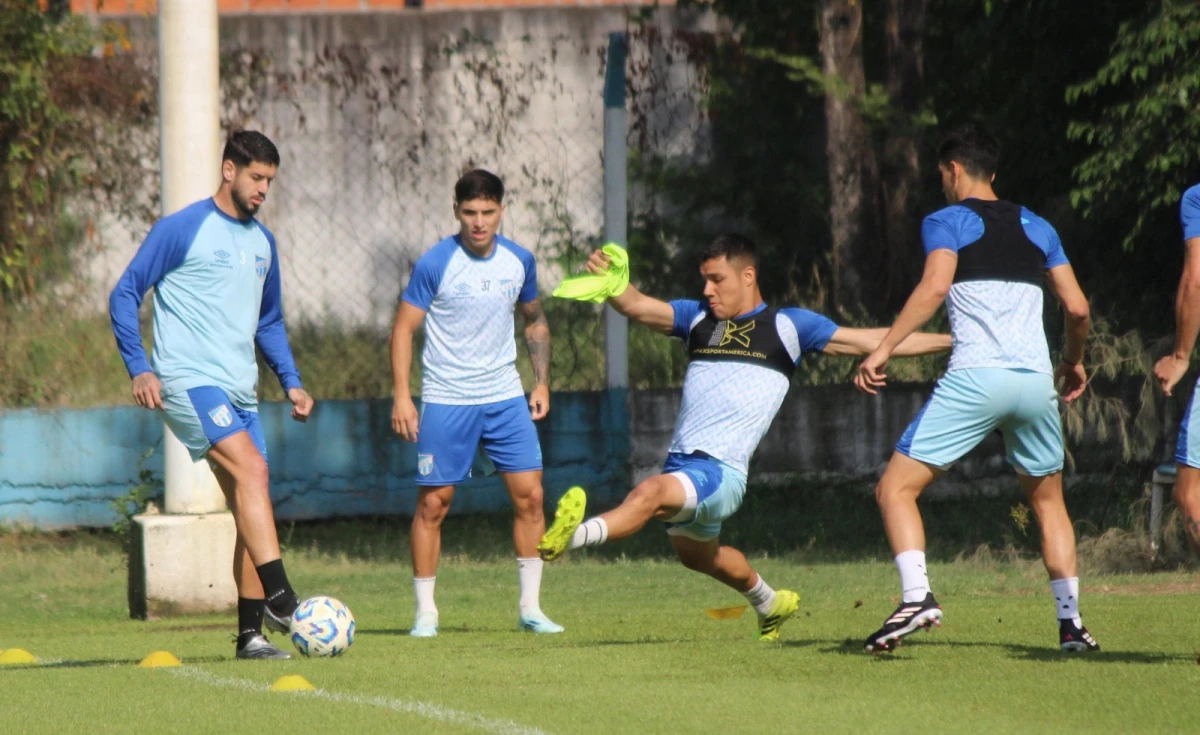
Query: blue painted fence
x=62, y=469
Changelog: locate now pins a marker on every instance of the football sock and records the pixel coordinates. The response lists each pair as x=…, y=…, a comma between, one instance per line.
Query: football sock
x=590, y=533
x=914, y=581
x=250, y=617
x=280, y=596
x=529, y=574
x=1066, y=598
x=423, y=589
x=761, y=596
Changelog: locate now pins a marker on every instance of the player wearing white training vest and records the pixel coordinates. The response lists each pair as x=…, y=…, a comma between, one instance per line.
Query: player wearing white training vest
x=743, y=354
x=988, y=260
x=465, y=290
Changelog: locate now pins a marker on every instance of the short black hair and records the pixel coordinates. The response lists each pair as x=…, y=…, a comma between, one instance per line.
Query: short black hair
x=478, y=184
x=730, y=245
x=975, y=149
x=250, y=146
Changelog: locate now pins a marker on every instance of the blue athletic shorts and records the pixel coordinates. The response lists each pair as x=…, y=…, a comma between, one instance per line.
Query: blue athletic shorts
x=969, y=404
x=203, y=416
x=447, y=437
x=714, y=492
x=1187, y=446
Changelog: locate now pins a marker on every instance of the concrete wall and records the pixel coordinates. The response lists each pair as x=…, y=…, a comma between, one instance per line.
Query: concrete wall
x=61, y=468
x=376, y=116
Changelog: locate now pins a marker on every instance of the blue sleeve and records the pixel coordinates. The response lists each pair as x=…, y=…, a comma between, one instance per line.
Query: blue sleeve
x=426, y=277
x=944, y=229
x=1043, y=234
x=271, y=336
x=1189, y=213
x=813, y=329
x=686, y=311
x=163, y=250
x=529, y=291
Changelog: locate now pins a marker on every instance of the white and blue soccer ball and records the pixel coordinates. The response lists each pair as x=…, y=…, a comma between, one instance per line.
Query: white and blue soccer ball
x=322, y=626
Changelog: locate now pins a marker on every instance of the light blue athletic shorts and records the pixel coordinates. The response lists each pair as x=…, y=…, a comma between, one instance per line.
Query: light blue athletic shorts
x=448, y=436
x=203, y=416
x=969, y=404
x=1187, y=446
x=714, y=492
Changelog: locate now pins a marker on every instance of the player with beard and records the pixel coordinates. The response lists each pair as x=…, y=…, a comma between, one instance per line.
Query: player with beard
x=215, y=273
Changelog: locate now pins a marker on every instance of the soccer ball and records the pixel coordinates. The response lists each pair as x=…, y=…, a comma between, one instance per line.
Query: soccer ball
x=322, y=626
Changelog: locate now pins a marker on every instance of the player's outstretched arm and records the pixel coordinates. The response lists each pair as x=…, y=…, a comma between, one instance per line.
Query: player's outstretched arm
x=409, y=319
x=1170, y=369
x=853, y=341
x=537, y=339
x=924, y=302
x=271, y=337
x=631, y=303
x=1070, y=373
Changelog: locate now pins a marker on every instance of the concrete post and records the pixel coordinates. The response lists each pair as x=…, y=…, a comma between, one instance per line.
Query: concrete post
x=616, y=327
x=181, y=562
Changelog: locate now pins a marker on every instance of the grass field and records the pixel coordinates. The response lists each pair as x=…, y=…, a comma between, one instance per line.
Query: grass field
x=639, y=655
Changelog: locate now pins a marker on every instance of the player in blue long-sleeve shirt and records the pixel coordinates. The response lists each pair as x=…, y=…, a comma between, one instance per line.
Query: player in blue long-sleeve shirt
x=215, y=273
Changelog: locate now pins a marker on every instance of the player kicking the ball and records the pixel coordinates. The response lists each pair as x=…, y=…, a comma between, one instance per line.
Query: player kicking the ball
x=215, y=273
x=742, y=357
x=990, y=259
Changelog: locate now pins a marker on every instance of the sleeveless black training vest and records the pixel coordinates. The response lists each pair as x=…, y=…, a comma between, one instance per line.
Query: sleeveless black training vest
x=1004, y=252
x=750, y=339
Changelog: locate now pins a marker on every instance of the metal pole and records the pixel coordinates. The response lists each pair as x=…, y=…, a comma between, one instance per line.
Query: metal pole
x=189, y=118
x=616, y=327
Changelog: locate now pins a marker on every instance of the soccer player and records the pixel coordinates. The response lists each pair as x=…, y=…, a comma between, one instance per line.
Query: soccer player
x=215, y=273
x=989, y=258
x=464, y=290
x=743, y=354
x=1171, y=369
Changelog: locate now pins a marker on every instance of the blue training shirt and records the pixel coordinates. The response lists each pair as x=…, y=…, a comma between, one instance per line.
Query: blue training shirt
x=470, y=354
x=1189, y=213
x=216, y=294
x=994, y=323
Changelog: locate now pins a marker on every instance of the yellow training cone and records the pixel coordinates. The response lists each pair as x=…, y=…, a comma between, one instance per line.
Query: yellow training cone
x=17, y=656
x=159, y=659
x=293, y=683
x=726, y=613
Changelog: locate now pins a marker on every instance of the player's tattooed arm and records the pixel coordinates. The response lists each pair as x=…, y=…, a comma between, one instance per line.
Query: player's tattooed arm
x=537, y=339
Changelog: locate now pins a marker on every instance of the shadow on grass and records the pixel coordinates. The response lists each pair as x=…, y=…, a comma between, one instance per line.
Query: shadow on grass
x=99, y=662
x=854, y=647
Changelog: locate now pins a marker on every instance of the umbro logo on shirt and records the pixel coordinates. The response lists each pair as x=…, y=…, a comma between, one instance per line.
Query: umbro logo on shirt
x=222, y=260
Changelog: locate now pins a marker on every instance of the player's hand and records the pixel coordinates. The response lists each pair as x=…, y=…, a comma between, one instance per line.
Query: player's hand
x=598, y=263
x=539, y=402
x=404, y=418
x=1169, y=371
x=1071, y=379
x=871, y=375
x=147, y=390
x=302, y=404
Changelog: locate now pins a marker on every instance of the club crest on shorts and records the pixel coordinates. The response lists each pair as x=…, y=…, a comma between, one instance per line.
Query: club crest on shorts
x=221, y=416
x=424, y=464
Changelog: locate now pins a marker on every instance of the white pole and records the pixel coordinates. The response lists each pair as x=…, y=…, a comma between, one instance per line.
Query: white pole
x=189, y=114
x=616, y=327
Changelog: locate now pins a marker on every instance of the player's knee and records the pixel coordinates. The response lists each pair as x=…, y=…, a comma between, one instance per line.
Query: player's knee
x=432, y=509
x=252, y=476
x=646, y=496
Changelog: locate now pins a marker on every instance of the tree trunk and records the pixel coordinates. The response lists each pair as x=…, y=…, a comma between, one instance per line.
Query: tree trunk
x=904, y=35
x=853, y=170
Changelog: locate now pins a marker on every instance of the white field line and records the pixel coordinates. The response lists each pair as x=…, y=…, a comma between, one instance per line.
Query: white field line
x=427, y=710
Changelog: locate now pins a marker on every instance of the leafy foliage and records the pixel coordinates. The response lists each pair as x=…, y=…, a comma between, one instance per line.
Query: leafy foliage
x=1142, y=157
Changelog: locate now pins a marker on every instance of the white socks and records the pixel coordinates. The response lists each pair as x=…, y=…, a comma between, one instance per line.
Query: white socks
x=914, y=581
x=590, y=533
x=423, y=589
x=529, y=574
x=761, y=596
x=1066, y=598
